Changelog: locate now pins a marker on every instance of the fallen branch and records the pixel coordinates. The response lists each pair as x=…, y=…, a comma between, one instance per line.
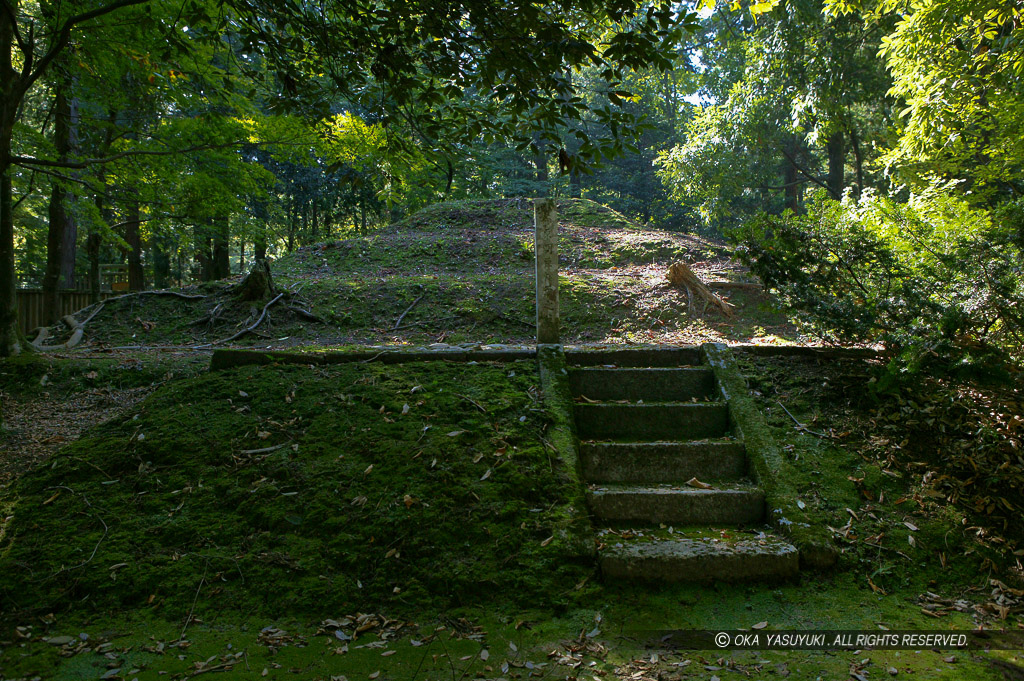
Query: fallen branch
x=398, y=321
x=473, y=402
x=264, y=450
x=254, y=325
x=427, y=322
x=680, y=275
x=800, y=426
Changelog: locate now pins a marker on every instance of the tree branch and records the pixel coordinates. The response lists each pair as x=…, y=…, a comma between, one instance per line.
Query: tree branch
x=64, y=37
x=79, y=165
x=59, y=176
x=804, y=172
x=22, y=45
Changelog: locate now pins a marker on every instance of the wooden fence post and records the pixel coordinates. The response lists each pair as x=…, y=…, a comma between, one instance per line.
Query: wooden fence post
x=546, y=249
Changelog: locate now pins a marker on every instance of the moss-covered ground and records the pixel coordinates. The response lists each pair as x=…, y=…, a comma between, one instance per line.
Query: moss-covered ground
x=251, y=522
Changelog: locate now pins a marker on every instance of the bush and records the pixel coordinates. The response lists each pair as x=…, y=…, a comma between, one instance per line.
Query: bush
x=931, y=279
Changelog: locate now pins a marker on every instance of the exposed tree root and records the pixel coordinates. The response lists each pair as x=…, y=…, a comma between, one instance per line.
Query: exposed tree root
x=77, y=332
x=162, y=292
x=306, y=314
x=254, y=325
x=398, y=322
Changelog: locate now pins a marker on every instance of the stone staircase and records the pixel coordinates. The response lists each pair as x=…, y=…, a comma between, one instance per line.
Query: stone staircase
x=648, y=423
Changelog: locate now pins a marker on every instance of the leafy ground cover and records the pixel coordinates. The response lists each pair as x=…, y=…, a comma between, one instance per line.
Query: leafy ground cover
x=921, y=483
x=463, y=272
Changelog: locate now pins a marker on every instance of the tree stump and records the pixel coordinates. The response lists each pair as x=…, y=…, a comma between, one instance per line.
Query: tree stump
x=258, y=284
x=680, y=275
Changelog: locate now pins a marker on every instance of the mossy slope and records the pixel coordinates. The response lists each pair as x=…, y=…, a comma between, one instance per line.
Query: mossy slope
x=420, y=485
x=470, y=266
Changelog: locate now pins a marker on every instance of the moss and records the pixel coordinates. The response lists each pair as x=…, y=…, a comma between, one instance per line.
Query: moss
x=768, y=465
x=558, y=403
x=27, y=375
x=360, y=501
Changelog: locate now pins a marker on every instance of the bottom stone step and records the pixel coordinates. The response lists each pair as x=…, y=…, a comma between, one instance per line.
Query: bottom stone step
x=698, y=556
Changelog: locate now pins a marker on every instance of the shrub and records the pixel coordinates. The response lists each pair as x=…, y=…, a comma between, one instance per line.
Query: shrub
x=931, y=279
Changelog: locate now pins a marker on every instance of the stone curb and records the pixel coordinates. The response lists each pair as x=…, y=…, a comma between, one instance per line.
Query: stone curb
x=816, y=548
x=561, y=434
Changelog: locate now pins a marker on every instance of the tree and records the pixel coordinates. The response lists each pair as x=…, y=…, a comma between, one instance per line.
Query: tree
x=958, y=67
x=791, y=99
x=28, y=50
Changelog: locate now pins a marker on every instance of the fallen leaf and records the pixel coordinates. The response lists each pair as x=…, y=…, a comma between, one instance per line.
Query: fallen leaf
x=486, y=475
x=485, y=654
x=694, y=482
x=760, y=625
x=456, y=433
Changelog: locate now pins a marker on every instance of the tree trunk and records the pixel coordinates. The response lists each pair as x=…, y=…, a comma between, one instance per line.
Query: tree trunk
x=291, y=225
x=257, y=285
x=136, y=277
x=202, y=252
x=161, y=263
x=10, y=100
x=789, y=178
x=10, y=337
x=221, y=255
x=836, y=149
x=859, y=161
x=62, y=232
x=540, y=161
x=92, y=251
x=260, y=247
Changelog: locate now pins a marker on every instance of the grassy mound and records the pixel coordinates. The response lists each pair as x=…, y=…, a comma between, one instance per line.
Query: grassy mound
x=469, y=267
x=293, y=489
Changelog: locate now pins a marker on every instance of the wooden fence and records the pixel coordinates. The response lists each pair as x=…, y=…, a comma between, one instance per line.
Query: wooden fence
x=30, y=306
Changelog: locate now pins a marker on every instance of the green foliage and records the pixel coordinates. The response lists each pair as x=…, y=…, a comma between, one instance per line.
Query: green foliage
x=956, y=66
x=931, y=279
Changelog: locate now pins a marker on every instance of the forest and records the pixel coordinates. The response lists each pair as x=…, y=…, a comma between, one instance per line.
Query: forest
x=272, y=400
x=162, y=144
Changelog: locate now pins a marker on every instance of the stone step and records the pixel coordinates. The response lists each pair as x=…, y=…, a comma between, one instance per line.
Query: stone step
x=725, y=504
x=654, y=462
x=694, y=555
x=635, y=357
x=643, y=422
x=648, y=384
